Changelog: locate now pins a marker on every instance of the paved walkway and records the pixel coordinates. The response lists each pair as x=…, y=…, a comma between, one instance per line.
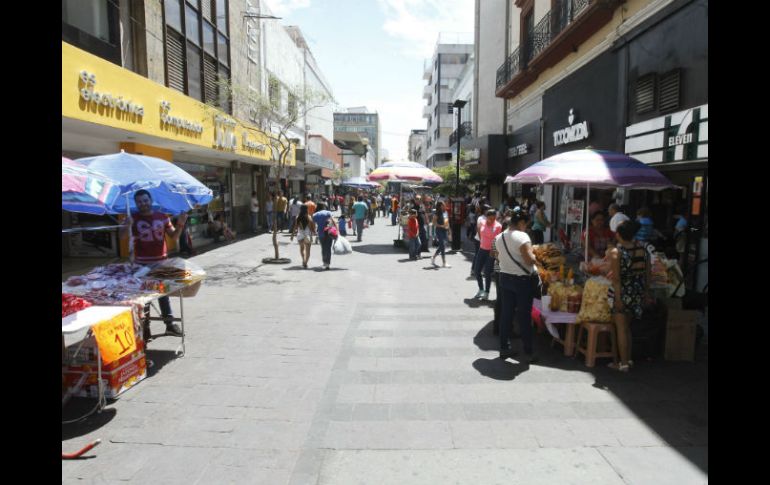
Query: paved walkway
x=381, y=370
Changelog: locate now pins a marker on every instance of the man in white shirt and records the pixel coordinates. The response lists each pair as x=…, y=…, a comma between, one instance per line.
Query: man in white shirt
x=254, y=212
x=616, y=217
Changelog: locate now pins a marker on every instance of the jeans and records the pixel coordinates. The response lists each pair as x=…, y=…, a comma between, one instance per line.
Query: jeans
x=165, y=311
x=423, y=239
x=326, y=247
x=484, y=262
x=516, y=293
x=414, y=247
x=254, y=221
x=475, y=255
x=393, y=218
x=281, y=221
x=441, y=235
x=270, y=220
x=359, y=227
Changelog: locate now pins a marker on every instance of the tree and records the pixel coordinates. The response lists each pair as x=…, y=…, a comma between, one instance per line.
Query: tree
x=449, y=174
x=275, y=122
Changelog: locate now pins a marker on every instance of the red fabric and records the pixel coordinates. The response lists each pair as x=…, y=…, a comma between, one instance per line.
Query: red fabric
x=413, y=228
x=538, y=318
x=150, y=237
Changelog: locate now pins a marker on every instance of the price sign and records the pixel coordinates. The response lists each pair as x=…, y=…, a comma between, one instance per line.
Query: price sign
x=115, y=337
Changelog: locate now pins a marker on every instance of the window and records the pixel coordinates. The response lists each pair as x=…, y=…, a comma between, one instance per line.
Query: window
x=644, y=94
x=669, y=91
x=274, y=93
x=93, y=26
x=292, y=105
x=190, y=69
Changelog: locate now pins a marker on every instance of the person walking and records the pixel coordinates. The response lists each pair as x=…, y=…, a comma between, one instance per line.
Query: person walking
x=422, y=220
x=254, y=208
x=304, y=229
x=280, y=207
x=393, y=210
x=269, y=205
x=630, y=276
x=373, y=207
x=324, y=220
x=487, y=232
x=360, y=211
x=295, y=208
x=646, y=227
x=413, y=234
x=441, y=225
x=540, y=223
x=517, y=264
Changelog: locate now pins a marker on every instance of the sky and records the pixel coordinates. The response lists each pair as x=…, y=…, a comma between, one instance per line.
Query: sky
x=372, y=53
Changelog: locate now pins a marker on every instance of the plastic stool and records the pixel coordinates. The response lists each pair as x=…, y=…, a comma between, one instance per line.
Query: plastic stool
x=590, y=350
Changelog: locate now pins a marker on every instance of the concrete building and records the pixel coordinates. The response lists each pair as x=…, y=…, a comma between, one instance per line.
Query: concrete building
x=357, y=156
x=416, y=148
x=442, y=74
x=156, y=65
x=360, y=120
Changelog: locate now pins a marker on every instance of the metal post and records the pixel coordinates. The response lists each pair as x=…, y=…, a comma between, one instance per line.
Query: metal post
x=456, y=225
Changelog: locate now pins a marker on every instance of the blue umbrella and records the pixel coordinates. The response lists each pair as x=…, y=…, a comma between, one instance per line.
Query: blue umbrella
x=86, y=191
x=360, y=183
x=173, y=190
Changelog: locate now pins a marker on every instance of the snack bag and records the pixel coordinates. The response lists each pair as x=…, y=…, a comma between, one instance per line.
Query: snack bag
x=595, y=306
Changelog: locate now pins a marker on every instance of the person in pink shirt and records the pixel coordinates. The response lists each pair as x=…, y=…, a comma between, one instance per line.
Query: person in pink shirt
x=488, y=230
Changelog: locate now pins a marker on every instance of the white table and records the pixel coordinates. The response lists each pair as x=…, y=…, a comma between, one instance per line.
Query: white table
x=551, y=318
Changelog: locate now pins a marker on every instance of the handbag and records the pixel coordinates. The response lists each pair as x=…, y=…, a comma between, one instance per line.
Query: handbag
x=537, y=283
x=331, y=231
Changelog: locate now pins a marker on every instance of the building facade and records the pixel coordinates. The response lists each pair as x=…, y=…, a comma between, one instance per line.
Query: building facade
x=442, y=74
x=146, y=76
x=416, y=146
x=367, y=124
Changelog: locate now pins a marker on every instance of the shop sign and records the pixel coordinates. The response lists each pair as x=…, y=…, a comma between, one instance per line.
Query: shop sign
x=224, y=134
x=680, y=139
x=316, y=160
x=519, y=150
x=575, y=212
x=96, y=99
x=572, y=133
x=179, y=124
x=252, y=146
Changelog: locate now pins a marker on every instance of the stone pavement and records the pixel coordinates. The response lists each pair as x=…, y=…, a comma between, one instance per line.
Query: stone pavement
x=380, y=371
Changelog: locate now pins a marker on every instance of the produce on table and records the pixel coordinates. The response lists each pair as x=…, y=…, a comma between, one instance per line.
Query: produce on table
x=72, y=304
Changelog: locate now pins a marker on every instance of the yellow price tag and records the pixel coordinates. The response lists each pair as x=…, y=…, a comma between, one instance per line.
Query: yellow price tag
x=115, y=337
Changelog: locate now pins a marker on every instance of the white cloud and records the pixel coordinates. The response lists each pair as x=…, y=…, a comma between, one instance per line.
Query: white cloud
x=417, y=23
x=281, y=8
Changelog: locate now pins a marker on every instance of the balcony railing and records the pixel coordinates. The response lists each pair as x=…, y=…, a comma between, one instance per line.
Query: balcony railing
x=466, y=130
x=550, y=26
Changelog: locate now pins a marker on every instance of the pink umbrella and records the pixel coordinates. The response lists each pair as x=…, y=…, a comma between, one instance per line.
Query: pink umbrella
x=593, y=168
x=404, y=171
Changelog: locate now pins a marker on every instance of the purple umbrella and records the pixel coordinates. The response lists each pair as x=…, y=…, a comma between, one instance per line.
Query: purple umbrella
x=593, y=168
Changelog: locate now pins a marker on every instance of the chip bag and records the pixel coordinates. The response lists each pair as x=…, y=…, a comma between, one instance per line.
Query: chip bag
x=596, y=306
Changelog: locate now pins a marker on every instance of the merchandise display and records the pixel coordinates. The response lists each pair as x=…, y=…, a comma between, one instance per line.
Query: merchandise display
x=596, y=305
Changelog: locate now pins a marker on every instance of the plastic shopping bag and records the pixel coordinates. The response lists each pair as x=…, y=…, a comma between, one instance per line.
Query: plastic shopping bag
x=342, y=246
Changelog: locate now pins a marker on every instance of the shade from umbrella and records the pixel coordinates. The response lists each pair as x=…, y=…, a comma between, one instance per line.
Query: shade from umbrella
x=84, y=190
x=360, y=183
x=404, y=171
x=172, y=189
x=600, y=169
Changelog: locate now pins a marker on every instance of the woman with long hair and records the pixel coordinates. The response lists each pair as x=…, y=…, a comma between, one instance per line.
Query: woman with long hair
x=304, y=229
x=630, y=274
x=441, y=226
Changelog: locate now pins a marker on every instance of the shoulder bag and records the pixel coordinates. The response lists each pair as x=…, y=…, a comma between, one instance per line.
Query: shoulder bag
x=537, y=283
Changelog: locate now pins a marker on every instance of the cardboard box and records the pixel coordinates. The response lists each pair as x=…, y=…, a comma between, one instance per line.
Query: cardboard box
x=680, y=335
x=86, y=356
x=116, y=381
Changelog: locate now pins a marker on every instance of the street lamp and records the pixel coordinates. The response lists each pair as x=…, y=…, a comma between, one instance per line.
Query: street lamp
x=456, y=224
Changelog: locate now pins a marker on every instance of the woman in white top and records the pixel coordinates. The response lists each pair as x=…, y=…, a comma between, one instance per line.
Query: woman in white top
x=517, y=263
x=304, y=230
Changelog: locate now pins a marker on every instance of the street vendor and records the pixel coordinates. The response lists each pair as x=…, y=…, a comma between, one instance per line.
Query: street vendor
x=599, y=236
x=149, y=229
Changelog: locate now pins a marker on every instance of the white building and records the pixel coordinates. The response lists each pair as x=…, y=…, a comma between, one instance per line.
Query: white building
x=417, y=146
x=442, y=74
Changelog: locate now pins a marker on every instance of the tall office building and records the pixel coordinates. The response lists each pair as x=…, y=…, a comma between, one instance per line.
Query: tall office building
x=360, y=120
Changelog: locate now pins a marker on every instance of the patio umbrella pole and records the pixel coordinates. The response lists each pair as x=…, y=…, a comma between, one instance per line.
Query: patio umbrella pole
x=130, y=232
x=587, y=221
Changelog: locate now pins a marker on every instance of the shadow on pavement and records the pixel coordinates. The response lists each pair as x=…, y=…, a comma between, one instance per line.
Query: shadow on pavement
x=159, y=359
x=476, y=303
x=321, y=270
x=499, y=369
x=671, y=398
x=78, y=406
x=295, y=268
x=377, y=249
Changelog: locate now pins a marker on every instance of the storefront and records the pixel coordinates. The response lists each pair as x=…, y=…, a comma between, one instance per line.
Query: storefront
x=486, y=155
x=106, y=108
x=582, y=111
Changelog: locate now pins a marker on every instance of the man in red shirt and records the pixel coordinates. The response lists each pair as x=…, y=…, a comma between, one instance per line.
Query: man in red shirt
x=149, y=229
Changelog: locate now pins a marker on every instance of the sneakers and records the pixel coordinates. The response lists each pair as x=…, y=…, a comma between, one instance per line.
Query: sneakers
x=479, y=294
x=446, y=266
x=484, y=295
x=173, y=329
x=326, y=266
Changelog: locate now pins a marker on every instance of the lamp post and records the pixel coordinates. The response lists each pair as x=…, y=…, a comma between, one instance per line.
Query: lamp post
x=457, y=224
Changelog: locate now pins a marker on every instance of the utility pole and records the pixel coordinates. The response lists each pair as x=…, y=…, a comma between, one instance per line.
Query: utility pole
x=456, y=224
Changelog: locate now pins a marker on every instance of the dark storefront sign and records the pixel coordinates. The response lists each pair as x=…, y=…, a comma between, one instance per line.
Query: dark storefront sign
x=584, y=109
x=487, y=154
x=524, y=148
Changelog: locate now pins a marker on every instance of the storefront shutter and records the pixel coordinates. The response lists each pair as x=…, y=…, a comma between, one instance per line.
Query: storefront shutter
x=645, y=94
x=175, y=60
x=669, y=91
x=209, y=80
